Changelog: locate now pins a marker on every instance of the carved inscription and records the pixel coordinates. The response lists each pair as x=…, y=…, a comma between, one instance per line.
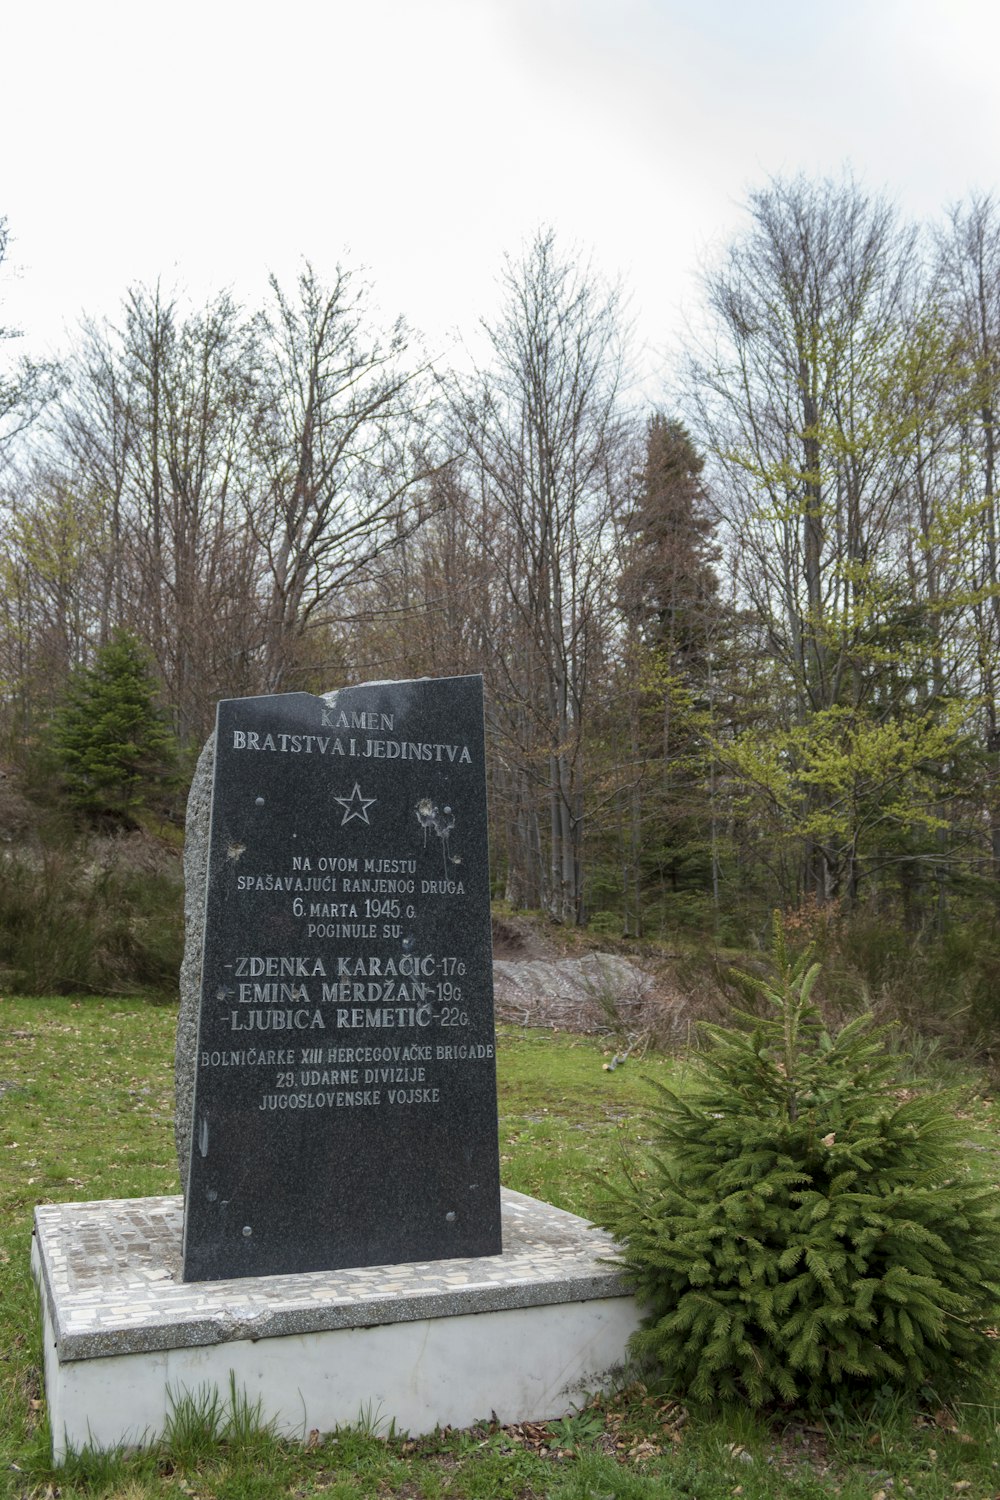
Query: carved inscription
x=347, y=991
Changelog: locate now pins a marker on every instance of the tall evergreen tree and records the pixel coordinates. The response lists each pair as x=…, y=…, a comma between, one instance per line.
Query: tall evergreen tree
x=668, y=584
x=668, y=593
x=111, y=740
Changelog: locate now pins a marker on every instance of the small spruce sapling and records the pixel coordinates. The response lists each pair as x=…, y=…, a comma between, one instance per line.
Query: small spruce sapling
x=804, y=1227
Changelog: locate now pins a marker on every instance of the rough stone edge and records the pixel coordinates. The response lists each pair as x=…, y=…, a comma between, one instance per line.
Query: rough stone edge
x=599, y=1278
x=197, y=833
x=221, y=1329
x=197, y=828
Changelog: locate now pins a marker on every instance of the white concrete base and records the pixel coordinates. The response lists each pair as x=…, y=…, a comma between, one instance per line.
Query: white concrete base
x=522, y=1335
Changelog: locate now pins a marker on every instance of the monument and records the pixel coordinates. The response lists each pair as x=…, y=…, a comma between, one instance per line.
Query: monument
x=339, y=1245
x=344, y=1105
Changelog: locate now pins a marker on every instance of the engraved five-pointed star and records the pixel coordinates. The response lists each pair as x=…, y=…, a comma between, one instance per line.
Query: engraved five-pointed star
x=355, y=806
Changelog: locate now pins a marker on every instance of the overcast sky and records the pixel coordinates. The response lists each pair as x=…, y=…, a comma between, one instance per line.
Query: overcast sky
x=206, y=143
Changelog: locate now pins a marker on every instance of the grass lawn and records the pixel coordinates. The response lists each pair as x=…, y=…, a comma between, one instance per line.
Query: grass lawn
x=86, y=1111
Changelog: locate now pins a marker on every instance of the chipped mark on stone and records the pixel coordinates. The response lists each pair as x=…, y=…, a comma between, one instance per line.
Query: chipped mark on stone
x=233, y=852
x=203, y=1135
x=442, y=822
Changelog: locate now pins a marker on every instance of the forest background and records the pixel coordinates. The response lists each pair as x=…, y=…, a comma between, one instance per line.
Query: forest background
x=740, y=651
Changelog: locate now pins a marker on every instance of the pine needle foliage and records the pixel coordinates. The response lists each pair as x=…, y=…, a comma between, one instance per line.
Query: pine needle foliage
x=803, y=1226
x=111, y=740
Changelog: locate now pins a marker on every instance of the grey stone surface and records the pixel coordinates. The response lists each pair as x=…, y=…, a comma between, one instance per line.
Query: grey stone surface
x=344, y=1100
x=110, y=1274
x=196, y=833
x=597, y=992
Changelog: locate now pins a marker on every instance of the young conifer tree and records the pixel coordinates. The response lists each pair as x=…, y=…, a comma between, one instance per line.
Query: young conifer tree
x=111, y=740
x=805, y=1227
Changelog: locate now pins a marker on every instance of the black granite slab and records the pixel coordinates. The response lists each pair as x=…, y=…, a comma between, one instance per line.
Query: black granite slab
x=345, y=1087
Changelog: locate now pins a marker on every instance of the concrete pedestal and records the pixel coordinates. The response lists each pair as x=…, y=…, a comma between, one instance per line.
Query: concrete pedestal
x=523, y=1334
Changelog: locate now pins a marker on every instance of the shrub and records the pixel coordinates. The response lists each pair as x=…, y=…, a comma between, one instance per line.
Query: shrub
x=68, y=926
x=803, y=1226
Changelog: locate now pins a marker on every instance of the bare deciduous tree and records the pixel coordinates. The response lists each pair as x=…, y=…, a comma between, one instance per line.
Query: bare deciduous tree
x=27, y=386
x=154, y=429
x=810, y=317
x=338, y=444
x=969, y=289
x=544, y=440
